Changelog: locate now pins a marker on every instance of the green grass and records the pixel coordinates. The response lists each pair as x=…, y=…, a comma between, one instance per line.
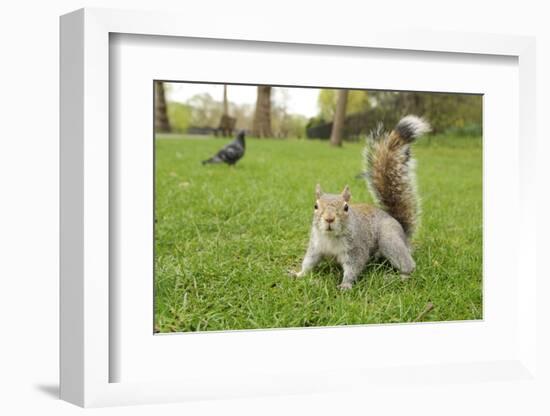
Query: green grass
x=226, y=237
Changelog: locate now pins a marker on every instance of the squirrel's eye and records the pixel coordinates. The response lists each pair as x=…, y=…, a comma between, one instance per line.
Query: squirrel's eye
x=346, y=207
x=316, y=206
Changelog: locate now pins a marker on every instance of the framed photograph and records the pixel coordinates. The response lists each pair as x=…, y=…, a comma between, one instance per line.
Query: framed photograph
x=273, y=214
x=231, y=233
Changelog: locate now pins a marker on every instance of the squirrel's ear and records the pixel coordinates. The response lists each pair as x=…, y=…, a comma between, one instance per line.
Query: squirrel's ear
x=346, y=194
x=318, y=191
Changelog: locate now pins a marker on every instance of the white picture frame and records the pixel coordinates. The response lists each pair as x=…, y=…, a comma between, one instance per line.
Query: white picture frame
x=86, y=353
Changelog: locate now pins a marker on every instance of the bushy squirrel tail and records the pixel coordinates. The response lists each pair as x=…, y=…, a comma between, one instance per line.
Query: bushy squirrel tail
x=390, y=170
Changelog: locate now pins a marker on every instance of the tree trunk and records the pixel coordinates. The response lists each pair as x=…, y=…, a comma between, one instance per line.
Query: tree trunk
x=225, y=104
x=162, y=125
x=339, y=118
x=262, y=117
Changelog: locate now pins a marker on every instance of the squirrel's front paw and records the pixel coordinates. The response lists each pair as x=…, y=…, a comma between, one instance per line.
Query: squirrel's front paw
x=293, y=273
x=345, y=286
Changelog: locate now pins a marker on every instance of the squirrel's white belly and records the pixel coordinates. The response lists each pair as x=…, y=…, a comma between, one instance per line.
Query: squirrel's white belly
x=331, y=246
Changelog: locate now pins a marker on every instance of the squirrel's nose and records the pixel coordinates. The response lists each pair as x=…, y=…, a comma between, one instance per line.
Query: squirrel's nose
x=330, y=220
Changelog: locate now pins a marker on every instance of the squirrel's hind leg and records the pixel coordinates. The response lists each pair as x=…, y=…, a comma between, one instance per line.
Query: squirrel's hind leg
x=393, y=245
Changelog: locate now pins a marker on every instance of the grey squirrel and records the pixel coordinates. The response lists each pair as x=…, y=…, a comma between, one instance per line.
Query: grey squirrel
x=355, y=233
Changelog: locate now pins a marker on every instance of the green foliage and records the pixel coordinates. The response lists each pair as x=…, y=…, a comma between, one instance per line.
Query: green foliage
x=288, y=125
x=297, y=126
x=327, y=104
x=358, y=101
x=226, y=237
x=315, y=121
x=180, y=116
x=458, y=114
x=205, y=111
x=467, y=130
x=443, y=111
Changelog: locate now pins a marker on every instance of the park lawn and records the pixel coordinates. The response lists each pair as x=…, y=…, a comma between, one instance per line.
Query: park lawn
x=225, y=237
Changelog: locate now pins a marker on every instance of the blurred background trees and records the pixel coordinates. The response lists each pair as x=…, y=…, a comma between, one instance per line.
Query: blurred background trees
x=357, y=101
x=337, y=132
x=262, y=116
x=343, y=115
x=227, y=123
x=285, y=124
x=205, y=111
x=161, y=116
x=459, y=113
x=179, y=115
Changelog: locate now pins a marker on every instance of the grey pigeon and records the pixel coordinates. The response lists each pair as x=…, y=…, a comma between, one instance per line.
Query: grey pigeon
x=231, y=153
